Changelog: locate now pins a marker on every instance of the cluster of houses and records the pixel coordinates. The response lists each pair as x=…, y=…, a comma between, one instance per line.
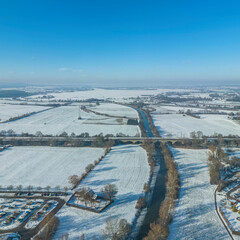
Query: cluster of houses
x=228, y=198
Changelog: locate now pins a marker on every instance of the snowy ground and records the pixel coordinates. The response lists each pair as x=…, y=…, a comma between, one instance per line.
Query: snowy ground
x=43, y=166
x=109, y=93
x=179, y=125
x=24, y=101
x=235, y=152
x=116, y=110
x=8, y=110
x=232, y=219
x=127, y=167
x=58, y=120
x=175, y=109
x=195, y=216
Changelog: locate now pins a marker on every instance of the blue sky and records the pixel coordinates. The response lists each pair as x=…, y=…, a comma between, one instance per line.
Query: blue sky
x=103, y=42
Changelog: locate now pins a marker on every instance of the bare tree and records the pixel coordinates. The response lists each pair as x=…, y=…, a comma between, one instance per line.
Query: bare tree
x=82, y=237
x=38, y=134
x=193, y=134
x=141, y=203
x=73, y=134
x=116, y=229
x=199, y=134
x=63, y=134
x=10, y=187
x=89, y=167
x=81, y=195
x=109, y=191
x=157, y=231
x=73, y=180
x=50, y=228
x=147, y=187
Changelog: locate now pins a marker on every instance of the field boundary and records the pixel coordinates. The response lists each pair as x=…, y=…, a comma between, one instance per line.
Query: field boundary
x=219, y=215
x=88, y=209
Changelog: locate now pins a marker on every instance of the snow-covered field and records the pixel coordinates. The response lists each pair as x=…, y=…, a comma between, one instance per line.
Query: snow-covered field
x=175, y=109
x=109, y=93
x=43, y=166
x=65, y=119
x=181, y=126
x=195, y=216
x=8, y=110
x=127, y=167
x=116, y=110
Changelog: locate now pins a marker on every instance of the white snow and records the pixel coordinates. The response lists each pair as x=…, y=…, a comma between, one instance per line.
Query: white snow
x=43, y=166
x=232, y=219
x=109, y=93
x=179, y=125
x=195, y=216
x=9, y=110
x=116, y=110
x=58, y=120
x=127, y=167
x=175, y=109
x=235, y=152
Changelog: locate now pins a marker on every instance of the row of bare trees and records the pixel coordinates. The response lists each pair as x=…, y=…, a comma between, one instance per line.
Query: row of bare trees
x=159, y=230
x=216, y=156
x=49, y=230
x=115, y=229
x=150, y=149
x=75, y=180
x=30, y=188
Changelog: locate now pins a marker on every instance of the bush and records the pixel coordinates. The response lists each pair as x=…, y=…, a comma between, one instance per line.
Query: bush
x=73, y=180
x=49, y=230
x=89, y=167
x=141, y=203
x=109, y=191
x=147, y=188
x=234, y=208
x=116, y=229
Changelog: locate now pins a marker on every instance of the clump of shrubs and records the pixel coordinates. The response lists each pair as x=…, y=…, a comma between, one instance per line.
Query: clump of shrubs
x=141, y=203
x=147, y=188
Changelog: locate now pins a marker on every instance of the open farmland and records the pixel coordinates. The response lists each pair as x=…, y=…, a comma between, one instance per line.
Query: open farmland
x=107, y=93
x=43, y=166
x=127, y=167
x=116, y=110
x=179, y=125
x=65, y=119
x=195, y=216
x=9, y=110
x=175, y=109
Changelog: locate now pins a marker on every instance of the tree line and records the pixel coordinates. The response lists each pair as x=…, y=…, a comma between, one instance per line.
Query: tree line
x=160, y=229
